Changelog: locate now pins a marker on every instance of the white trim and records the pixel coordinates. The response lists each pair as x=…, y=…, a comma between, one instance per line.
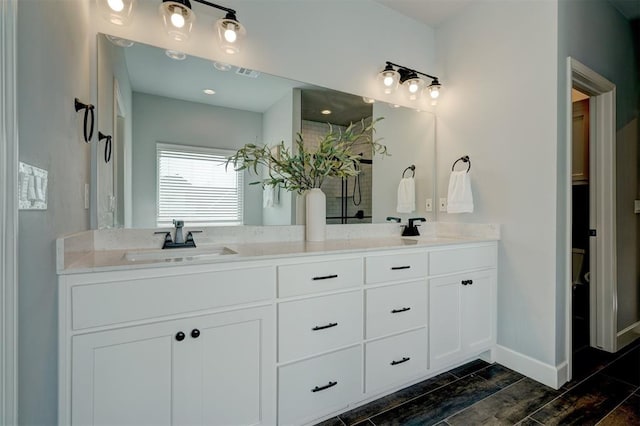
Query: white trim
x=628, y=335
x=603, y=170
x=8, y=215
x=553, y=376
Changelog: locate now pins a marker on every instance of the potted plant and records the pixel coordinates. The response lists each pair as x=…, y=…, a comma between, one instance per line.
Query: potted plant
x=304, y=170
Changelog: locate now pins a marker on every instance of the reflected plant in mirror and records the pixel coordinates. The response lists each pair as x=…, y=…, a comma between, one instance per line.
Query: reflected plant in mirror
x=337, y=155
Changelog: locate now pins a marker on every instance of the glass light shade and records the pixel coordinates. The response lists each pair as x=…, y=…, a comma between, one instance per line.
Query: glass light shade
x=389, y=79
x=118, y=12
x=231, y=35
x=413, y=87
x=434, y=90
x=177, y=19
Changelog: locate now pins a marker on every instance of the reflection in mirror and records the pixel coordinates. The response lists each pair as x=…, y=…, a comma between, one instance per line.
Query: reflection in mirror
x=147, y=101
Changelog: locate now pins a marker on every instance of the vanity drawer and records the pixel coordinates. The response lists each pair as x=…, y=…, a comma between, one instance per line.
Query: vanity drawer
x=306, y=327
x=316, y=277
x=117, y=302
x=395, y=359
x=462, y=259
x=394, y=267
x=395, y=308
x=318, y=386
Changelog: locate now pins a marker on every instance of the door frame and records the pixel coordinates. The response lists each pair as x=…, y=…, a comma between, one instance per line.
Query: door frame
x=603, y=259
x=8, y=215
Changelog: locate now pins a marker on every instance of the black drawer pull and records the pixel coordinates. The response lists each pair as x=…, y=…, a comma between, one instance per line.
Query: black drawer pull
x=180, y=336
x=466, y=282
x=322, y=327
x=326, y=277
x=321, y=388
x=405, y=359
x=469, y=282
x=395, y=268
x=397, y=311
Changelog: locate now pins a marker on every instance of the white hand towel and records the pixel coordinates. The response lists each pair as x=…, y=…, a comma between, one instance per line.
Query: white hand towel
x=267, y=196
x=406, y=195
x=460, y=198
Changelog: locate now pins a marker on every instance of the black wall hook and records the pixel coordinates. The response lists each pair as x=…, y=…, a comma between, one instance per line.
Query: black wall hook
x=464, y=159
x=107, y=146
x=88, y=108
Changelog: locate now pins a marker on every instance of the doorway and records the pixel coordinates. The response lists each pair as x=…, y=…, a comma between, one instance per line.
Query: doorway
x=590, y=273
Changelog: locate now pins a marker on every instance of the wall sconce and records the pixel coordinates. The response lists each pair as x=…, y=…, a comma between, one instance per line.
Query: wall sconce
x=178, y=18
x=409, y=80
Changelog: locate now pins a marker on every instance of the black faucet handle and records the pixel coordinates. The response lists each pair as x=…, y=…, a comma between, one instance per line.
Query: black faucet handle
x=416, y=219
x=167, y=236
x=393, y=219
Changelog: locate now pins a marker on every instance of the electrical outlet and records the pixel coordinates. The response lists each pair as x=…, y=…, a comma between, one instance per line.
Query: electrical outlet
x=443, y=204
x=86, y=196
x=428, y=205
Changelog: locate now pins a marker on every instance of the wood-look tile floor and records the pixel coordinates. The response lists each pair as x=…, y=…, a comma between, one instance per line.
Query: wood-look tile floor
x=605, y=391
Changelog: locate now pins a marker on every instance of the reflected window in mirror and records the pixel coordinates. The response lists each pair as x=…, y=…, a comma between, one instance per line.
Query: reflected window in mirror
x=195, y=185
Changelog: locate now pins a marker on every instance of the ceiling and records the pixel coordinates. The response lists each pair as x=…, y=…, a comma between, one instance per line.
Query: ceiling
x=435, y=12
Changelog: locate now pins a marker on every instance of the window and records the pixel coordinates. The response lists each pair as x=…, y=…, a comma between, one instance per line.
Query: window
x=195, y=186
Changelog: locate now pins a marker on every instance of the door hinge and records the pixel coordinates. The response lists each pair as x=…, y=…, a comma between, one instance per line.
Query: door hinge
x=592, y=232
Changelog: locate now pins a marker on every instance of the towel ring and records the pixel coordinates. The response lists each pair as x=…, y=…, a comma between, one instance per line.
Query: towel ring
x=413, y=170
x=464, y=159
x=107, y=146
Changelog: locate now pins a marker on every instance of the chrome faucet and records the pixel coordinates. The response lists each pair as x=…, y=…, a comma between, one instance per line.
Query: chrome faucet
x=179, y=241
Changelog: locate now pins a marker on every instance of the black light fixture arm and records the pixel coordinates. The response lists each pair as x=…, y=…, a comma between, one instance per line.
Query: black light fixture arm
x=408, y=69
x=217, y=6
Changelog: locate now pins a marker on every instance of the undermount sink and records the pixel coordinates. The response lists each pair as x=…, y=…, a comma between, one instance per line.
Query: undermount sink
x=179, y=254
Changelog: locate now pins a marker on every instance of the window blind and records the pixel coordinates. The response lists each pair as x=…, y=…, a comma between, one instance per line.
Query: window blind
x=195, y=186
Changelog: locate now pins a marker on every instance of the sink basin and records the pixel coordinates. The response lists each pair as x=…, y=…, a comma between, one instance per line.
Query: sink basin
x=178, y=255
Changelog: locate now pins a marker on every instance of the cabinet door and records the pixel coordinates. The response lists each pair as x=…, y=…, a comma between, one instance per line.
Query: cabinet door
x=123, y=377
x=445, y=321
x=232, y=375
x=478, y=311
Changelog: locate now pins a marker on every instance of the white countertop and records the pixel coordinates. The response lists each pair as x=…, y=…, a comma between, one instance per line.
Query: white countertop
x=113, y=260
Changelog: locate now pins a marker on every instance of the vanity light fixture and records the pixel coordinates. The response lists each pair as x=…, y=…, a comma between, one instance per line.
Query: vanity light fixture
x=392, y=74
x=178, y=18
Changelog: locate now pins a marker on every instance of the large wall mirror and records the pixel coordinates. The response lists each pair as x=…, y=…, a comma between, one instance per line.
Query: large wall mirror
x=163, y=109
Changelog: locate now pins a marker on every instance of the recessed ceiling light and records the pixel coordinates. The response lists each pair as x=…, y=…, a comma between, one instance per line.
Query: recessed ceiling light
x=174, y=54
x=325, y=112
x=368, y=100
x=209, y=91
x=118, y=41
x=221, y=66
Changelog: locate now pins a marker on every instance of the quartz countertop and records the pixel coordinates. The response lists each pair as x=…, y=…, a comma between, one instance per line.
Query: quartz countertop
x=119, y=259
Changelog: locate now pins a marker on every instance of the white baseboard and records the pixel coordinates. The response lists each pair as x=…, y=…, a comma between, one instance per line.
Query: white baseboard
x=628, y=335
x=553, y=376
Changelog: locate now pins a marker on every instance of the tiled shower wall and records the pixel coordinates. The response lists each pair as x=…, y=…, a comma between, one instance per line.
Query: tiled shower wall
x=360, y=194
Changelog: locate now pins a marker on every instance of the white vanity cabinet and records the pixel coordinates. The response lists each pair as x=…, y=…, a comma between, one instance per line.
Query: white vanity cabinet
x=211, y=366
x=462, y=305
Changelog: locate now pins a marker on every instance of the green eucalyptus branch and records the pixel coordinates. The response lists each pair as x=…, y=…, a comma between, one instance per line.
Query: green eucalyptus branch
x=304, y=169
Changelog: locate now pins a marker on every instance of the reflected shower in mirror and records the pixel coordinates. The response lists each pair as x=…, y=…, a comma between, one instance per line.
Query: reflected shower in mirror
x=150, y=99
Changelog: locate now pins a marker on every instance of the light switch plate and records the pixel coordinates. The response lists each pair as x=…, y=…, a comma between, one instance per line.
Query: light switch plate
x=443, y=204
x=428, y=205
x=32, y=187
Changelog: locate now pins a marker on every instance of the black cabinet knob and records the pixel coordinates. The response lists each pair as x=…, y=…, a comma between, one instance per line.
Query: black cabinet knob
x=195, y=333
x=180, y=336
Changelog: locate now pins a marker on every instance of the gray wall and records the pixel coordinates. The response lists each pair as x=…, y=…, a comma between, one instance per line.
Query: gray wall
x=54, y=66
x=596, y=34
x=160, y=119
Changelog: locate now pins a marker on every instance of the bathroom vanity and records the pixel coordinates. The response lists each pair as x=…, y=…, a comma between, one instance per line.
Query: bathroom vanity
x=278, y=333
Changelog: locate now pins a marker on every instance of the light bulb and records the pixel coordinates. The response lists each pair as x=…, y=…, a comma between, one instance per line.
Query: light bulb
x=434, y=92
x=230, y=33
x=116, y=5
x=413, y=87
x=388, y=80
x=177, y=20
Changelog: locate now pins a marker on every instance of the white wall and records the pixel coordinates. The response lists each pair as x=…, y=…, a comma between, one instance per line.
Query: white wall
x=596, y=34
x=499, y=65
x=54, y=66
x=277, y=126
x=410, y=139
x=160, y=119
